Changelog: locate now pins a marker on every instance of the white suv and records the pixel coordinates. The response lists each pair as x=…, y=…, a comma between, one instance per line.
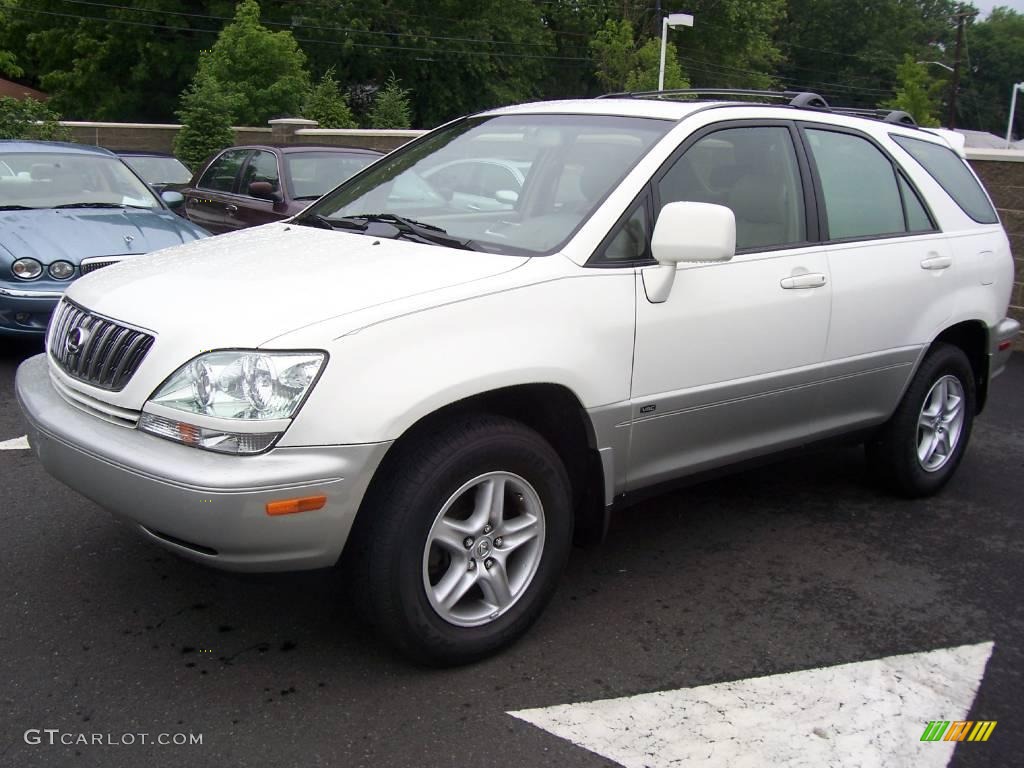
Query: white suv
x=448, y=391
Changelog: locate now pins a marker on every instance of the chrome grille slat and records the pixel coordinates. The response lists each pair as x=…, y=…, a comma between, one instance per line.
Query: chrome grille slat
x=112, y=351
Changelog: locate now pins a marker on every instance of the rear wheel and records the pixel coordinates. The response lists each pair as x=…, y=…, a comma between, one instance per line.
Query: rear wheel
x=921, y=446
x=461, y=543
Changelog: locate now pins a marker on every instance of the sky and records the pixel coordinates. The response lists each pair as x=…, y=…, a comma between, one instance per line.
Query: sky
x=987, y=5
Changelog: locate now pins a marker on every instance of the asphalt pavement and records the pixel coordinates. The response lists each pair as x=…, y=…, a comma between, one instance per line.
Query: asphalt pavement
x=797, y=565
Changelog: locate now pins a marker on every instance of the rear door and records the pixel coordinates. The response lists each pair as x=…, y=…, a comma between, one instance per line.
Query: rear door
x=207, y=204
x=891, y=269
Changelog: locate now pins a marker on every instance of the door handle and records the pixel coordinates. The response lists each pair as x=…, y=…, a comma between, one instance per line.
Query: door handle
x=231, y=208
x=937, y=262
x=807, y=280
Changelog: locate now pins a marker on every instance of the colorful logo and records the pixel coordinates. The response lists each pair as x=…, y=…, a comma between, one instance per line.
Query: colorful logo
x=958, y=730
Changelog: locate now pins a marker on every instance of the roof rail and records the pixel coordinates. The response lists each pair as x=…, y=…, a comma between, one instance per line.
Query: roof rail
x=794, y=98
x=897, y=116
x=797, y=99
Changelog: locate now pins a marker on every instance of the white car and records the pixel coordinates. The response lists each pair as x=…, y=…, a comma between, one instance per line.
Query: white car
x=439, y=398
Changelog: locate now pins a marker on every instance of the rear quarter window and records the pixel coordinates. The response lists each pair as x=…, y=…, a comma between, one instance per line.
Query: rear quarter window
x=953, y=175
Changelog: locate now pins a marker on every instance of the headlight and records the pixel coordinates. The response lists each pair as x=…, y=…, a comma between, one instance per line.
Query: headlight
x=27, y=269
x=62, y=270
x=244, y=387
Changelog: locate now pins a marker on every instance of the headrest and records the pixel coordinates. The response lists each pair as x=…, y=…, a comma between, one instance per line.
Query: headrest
x=758, y=199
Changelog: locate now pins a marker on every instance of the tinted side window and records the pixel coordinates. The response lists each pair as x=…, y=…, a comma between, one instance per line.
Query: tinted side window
x=859, y=186
x=220, y=176
x=946, y=167
x=262, y=167
x=918, y=219
x=754, y=172
x=632, y=240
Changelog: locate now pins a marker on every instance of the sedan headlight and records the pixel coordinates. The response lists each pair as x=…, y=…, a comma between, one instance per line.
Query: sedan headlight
x=258, y=391
x=62, y=270
x=27, y=269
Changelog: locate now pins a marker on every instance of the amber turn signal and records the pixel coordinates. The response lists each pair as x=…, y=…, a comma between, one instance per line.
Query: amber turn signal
x=291, y=506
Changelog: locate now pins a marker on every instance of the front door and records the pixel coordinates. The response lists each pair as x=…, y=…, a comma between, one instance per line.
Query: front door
x=728, y=367
x=207, y=203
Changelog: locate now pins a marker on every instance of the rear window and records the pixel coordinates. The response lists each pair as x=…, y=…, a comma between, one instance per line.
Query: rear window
x=946, y=167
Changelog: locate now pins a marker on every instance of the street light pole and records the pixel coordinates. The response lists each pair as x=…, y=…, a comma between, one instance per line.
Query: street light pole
x=1013, y=108
x=672, y=20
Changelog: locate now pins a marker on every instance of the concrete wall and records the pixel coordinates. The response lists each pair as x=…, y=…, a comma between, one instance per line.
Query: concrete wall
x=1002, y=172
x=159, y=137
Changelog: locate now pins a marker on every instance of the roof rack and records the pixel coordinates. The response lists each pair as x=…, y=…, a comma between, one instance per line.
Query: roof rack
x=802, y=99
x=798, y=99
x=897, y=116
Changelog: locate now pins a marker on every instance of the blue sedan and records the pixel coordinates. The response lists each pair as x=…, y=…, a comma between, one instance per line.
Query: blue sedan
x=66, y=210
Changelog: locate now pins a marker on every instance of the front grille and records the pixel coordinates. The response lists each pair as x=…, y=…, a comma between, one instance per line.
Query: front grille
x=91, y=265
x=96, y=349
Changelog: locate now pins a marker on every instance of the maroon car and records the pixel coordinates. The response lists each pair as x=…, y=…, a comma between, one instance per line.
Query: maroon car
x=247, y=186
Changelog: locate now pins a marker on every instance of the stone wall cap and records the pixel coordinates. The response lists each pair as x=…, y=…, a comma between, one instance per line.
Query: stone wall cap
x=999, y=155
x=359, y=132
x=291, y=121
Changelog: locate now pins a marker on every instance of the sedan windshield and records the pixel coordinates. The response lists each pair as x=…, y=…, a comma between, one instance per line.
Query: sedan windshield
x=314, y=174
x=520, y=184
x=159, y=170
x=64, y=180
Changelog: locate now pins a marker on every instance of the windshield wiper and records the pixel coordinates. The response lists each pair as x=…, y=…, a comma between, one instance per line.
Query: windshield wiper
x=90, y=205
x=418, y=230
x=316, y=220
x=17, y=208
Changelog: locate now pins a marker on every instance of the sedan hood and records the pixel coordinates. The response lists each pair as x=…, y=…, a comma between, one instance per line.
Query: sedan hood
x=246, y=288
x=73, y=234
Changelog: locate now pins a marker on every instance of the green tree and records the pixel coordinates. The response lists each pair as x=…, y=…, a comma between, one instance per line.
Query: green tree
x=644, y=76
x=30, y=119
x=614, y=54
x=622, y=65
x=326, y=105
x=391, y=108
x=916, y=93
x=8, y=61
x=205, y=115
x=261, y=73
x=997, y=62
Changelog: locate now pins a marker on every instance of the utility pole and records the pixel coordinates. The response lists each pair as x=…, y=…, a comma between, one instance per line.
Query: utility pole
x=954, y=84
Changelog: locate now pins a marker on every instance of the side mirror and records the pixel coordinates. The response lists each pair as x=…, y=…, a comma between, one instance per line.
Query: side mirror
x=263, y=190
x=688, y=233
x=172, y=198
x=507, y=196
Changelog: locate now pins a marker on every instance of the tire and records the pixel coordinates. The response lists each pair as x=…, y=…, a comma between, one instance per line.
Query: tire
x=422, y=532
x=920, y=447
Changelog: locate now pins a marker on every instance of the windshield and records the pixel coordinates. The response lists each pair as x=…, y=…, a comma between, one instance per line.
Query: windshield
x=159, y=170
x=520, y=184
x=314, y=174
x=56, y=180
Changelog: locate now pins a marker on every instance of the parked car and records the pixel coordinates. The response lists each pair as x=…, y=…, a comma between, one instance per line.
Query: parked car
x=67, y=210
x=447, y=396
x=247, y=186
x=158, y=169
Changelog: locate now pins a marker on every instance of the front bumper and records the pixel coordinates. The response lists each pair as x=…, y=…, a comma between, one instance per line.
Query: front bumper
x=26, y=311
x=204, y=506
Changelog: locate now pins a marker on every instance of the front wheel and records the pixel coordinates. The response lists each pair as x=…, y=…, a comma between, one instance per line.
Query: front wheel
x=461, y=543
x=921, y=446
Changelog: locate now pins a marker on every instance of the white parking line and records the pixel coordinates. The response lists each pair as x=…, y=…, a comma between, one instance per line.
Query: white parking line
x=17, y=444
x=868, y=713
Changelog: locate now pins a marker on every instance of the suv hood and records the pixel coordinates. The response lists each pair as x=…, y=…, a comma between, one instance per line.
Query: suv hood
x=246, y=288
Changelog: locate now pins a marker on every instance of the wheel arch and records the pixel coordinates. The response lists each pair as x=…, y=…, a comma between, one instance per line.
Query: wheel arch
x=557, y=414
x=972, y=337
